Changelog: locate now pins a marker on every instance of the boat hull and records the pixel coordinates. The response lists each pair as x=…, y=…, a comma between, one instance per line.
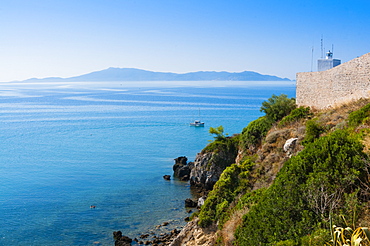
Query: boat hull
x=197, y=124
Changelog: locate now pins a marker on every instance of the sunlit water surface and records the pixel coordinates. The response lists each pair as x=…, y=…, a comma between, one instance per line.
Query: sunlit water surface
x=67, y=146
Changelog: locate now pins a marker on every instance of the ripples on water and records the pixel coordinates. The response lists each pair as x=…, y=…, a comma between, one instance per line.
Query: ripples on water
x=65, y=147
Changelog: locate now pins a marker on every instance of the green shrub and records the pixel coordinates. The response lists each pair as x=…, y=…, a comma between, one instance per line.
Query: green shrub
x=286, y=243
x=229, y=144
x=316, y=238
x=359, y=116
x=313, y=131
x=296, y=203
x=219, y=132
x=230, y=184
x=249, y=199
x=255, y=131
x=295, y=115
x=277, y=107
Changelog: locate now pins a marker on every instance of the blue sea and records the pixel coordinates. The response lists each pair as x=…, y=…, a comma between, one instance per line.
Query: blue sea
x=67, y=146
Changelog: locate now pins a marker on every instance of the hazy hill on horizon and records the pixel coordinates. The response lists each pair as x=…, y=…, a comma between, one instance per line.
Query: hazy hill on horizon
x=133, y=74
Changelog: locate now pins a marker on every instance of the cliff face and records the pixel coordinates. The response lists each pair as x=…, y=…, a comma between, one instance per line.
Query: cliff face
x=194, y=235
x=209, y=165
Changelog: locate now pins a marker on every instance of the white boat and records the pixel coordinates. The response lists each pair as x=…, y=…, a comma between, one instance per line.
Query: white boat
x=197, y=123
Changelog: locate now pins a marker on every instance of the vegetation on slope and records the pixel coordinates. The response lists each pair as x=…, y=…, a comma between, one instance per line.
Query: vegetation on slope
x=323, y=179
x=326, y=178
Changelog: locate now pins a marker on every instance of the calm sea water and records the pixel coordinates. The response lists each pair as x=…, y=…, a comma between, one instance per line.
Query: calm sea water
x=67, y=146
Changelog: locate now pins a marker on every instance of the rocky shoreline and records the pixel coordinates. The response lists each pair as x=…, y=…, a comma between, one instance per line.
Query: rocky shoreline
x=146, y=239
x=200, y=183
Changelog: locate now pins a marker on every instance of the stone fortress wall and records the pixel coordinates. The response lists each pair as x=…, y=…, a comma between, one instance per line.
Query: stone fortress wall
x=344, y=83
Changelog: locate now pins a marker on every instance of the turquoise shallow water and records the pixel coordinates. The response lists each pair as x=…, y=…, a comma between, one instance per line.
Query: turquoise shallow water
x=65, y=147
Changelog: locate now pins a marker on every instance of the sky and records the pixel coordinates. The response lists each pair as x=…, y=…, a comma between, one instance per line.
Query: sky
x=65, y=38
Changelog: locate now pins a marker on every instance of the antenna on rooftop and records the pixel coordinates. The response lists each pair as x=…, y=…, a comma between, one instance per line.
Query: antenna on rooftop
x=312, y=59
x=322, y=47
x=332, y=49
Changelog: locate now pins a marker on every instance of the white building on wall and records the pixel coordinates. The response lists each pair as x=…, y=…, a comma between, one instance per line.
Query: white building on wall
x=333, y=87
x=327, y=63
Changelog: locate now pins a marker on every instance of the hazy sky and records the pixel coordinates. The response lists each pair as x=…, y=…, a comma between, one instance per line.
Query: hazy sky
x=64, y=38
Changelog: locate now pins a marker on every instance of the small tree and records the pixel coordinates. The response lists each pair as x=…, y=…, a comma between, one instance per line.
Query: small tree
x=219, y=132
x=278, y=106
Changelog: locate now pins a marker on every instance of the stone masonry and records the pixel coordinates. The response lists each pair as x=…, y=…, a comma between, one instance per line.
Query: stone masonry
x=344, y=83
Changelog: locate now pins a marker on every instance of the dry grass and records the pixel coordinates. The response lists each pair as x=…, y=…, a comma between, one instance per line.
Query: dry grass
x=228, y=230
x=366, y=143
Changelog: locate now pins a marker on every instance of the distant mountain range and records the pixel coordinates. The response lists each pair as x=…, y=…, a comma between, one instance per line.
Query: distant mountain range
x=133, y=74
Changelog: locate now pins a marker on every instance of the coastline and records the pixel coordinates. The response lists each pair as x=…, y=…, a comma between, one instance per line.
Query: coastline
x=166, y=232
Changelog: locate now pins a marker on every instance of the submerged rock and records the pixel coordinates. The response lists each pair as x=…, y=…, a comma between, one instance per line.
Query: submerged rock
x=121, y=240
x=190, y=203
x=167, y=177
x=162, y=239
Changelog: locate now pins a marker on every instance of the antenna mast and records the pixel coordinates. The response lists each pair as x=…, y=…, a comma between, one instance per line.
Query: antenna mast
x=322, y=44
x=312, y=59
x=332, y=49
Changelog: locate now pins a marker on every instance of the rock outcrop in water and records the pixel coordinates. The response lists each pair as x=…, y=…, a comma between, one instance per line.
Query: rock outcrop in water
x=182, y=169
x=167, y=177
x=121, y=240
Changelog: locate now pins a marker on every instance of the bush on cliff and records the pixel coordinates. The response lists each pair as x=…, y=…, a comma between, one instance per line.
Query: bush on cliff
x=232, y=182
x=255, y=132
x=276, y=107
x=226, y=145
x=218, y=132
x=295, y=115
x=313, y=131
x=310, y=186
x=359, y=116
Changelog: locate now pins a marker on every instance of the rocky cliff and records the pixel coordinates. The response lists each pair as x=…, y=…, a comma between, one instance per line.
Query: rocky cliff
x=209, y=165
x=241, y=180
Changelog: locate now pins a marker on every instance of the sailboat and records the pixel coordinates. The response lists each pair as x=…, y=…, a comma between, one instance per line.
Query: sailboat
x=197, y=122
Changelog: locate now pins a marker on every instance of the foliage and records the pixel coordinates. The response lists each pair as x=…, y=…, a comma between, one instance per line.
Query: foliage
x=277, y=107
x=249, y=199
x=295, y=115
x=349, y=237
x=286, y=243
x=230, y=184
x=255, y=131
x=359, y=116
x=219, y=132
x=313, y=131
x=228, y=144
x=307, y=188
x=317, y=237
